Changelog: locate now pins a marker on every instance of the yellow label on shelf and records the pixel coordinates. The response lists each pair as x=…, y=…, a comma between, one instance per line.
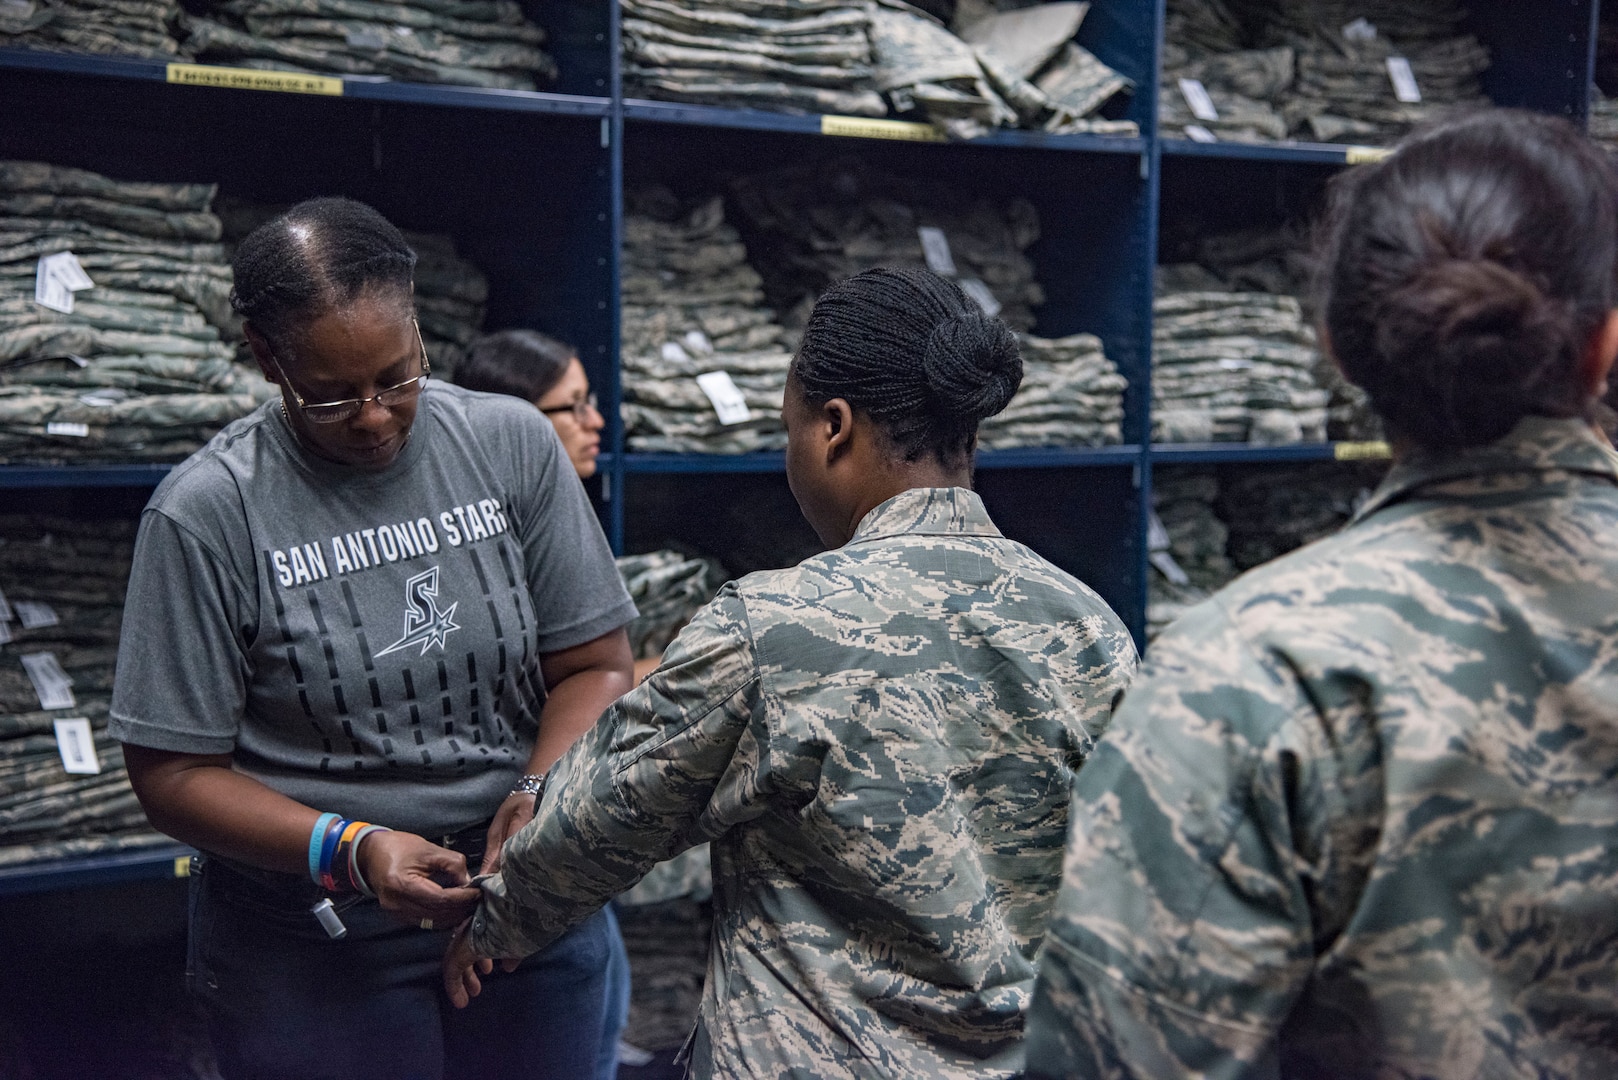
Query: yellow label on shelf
x=287, y=82
x=182, y=866
x=1361, y=451
x=1364, y=155
x=862, y=127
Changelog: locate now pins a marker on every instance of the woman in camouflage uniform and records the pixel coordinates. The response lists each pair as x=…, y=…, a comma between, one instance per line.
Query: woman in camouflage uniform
x=878, y=742
x=1359, y=815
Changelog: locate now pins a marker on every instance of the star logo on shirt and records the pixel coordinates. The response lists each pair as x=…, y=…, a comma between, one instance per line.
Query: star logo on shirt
x=425, y=624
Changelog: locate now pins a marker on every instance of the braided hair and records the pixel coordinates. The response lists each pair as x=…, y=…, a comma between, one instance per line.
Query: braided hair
x=315, y=256
x=909, y=349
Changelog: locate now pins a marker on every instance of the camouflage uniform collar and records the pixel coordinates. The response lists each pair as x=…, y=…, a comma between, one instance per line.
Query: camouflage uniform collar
x=1536, y=444
x=921, y=511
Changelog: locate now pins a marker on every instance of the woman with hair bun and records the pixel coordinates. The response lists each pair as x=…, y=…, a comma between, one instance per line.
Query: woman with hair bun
x=878, y=742
x=1359, y=815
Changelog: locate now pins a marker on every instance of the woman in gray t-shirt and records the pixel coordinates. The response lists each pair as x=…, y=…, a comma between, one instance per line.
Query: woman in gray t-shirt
x=378, y=601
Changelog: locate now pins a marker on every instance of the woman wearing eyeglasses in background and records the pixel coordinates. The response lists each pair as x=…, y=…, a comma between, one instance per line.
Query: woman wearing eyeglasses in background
x=540, y=369
x=363, y=609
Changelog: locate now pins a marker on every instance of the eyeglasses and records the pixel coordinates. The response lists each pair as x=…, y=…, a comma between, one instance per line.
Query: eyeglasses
x=581, y=409
x=335, y=412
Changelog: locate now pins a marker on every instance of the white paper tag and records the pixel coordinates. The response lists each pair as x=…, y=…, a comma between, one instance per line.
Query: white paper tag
x=5, y=609
x=1404, y=80
x=1196, y=96
x=21, y=9
x=1168, y=567
x=64, y=427
x=980, y=293
x=50, y=291
x=697, y=342
x=66, y=265
x=51, y=683
x=1157, y=550
x=935, y=248
x=1198, y=133
x=77, y=746
x=1361, y=29
x=57, y=278
x=33, y=615
x=727, y=399
x=672, y=353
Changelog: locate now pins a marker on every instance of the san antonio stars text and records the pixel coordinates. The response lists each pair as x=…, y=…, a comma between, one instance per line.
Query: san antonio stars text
x=366, y=548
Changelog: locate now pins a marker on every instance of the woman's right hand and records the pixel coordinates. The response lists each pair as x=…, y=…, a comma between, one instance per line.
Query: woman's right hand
x=416, y=880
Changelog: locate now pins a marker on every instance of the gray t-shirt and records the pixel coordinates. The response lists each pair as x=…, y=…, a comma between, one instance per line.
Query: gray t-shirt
x=365, y=643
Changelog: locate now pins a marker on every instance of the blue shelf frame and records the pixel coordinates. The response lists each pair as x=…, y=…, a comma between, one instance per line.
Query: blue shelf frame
x=157, y=863
x=356, y=89
x=708, y=116
x=1543, y=60
x=1281, y=153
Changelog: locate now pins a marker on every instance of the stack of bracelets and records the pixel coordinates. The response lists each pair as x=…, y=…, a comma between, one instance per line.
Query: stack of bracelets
x=334, y=846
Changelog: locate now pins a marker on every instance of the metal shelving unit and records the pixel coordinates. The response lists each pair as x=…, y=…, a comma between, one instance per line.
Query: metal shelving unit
x=158, y=863
x=531, y=185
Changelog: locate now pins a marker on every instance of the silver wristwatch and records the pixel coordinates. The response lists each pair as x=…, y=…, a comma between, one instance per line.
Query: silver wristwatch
x=531, y=784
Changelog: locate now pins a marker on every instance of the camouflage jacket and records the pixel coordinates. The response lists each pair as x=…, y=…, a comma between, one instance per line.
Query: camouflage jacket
x=879, y=743
x=1358, y=816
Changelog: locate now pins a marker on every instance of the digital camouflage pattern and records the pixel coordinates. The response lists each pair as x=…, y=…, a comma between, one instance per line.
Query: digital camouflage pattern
x=489, y=45
x=78, y=570
x=878, y=743
x=1357, y=818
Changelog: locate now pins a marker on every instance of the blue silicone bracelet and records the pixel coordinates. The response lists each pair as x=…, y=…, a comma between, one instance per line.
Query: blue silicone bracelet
x=328, y=848
x=317, y=838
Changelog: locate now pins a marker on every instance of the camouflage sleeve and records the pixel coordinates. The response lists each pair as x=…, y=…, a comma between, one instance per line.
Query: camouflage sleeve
x=1212, y=851
x=674, y=763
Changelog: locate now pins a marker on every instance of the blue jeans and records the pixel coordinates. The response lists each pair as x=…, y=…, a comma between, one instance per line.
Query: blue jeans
x=286, y=1002
x=617, y=998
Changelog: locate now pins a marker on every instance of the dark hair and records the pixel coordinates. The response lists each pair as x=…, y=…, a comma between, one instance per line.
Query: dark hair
x=1461, y=278
x=522, y=363
x=909, y=349
x=320, y=253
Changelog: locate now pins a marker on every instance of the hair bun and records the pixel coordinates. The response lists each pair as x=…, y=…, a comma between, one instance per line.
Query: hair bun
x=972, y=365
x=1473, y=333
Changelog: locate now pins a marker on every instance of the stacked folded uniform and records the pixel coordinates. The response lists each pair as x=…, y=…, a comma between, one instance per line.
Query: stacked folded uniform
x=108, y=27
x=1071, y=395
x=1604, y=119
x=1204, y=41
x=788, y=55
x=113, y=297
x=452, y=298
x=1275, y=260
x=703, y=366
x=63, y=787
x=668, y=589
x=1271, y=511
x=1017, y=68
x=1319, y=70
x=809, y=226
x=482, y=43
x=1013, y=68
x=1231, y=366
x=1186, y=545
x=451, y=293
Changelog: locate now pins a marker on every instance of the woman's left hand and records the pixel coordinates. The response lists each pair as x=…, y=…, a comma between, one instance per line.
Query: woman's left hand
x=514, y=813
x=462, y=967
